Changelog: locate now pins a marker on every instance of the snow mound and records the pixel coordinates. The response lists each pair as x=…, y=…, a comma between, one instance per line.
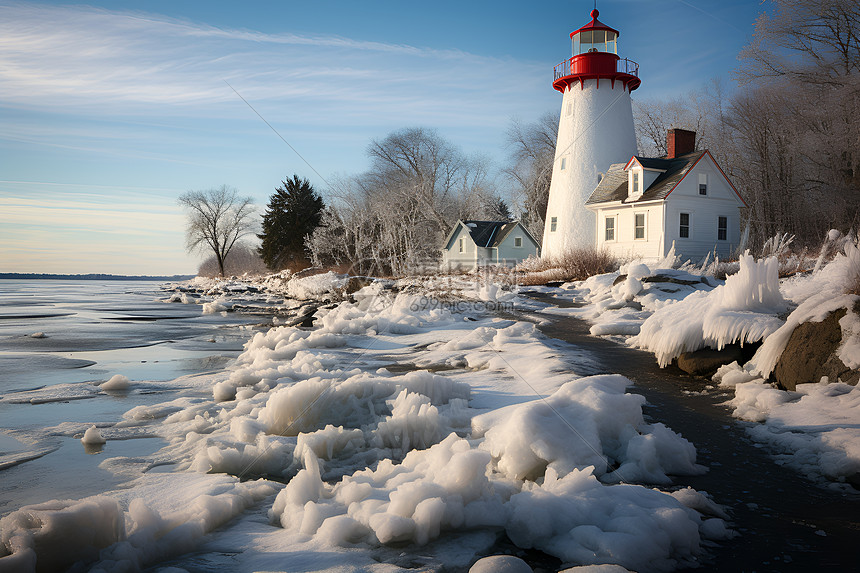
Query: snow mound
x=814, y=429
x=580, y=520
x=453, y=483
x=587, y=422
x=451, y=486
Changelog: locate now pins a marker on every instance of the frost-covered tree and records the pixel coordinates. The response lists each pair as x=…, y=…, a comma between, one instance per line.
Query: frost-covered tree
x=217, y=219
x=394, y=216
x=294, y=211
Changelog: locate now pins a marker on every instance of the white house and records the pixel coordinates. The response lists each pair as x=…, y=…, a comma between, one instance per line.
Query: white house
x=647, y=204
x=472, y=244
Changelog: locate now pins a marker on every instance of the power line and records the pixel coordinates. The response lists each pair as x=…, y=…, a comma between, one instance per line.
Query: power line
x=278, y=134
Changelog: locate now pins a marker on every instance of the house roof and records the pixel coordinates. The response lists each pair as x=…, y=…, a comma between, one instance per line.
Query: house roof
x=488, y=233
x=613, y=186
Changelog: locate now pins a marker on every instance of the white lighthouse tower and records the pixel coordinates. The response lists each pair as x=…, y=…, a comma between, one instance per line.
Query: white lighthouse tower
x=595, y=130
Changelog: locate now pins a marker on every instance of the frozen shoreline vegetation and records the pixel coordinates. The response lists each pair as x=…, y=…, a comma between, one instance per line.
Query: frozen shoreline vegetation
x=813, y=427
x=393, y=422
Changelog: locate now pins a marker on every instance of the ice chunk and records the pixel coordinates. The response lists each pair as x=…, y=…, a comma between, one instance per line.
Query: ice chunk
x=92, y=436
x=116, y=382
x=52, y=536
x=741, y=310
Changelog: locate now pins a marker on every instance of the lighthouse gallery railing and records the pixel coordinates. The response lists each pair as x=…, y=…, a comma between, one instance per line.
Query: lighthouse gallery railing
x=576, y=65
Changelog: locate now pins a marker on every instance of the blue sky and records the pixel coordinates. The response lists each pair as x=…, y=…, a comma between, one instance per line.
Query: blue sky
x=110, y=110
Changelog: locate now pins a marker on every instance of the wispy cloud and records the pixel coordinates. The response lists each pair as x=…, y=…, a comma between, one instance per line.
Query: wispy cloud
x=116, y=62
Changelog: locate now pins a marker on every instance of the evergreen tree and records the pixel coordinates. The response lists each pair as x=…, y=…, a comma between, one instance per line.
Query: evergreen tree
x=294, y=211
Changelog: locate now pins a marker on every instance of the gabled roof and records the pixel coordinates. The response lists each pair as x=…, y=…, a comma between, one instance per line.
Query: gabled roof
x=613, y=186
x=658, y=163
x=488, y=233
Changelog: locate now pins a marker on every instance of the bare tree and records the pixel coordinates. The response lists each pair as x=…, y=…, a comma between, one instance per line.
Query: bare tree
x=809, y=52
x=811, y=41
x=217, y=219
x=532, y=152
x=241, y=260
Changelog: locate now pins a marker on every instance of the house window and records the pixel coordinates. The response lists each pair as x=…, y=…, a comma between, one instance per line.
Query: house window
x=722, y=228
x=553, y=224
x=684, y=231
x=518, y=241
x=610, y=228
x=462, y=242
x=563, y=163
x=635, y=181
x=639, y=226
x=703, y=183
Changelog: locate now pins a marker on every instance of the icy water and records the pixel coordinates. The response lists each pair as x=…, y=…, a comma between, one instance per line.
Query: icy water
x=58, y=340
x=785, y=522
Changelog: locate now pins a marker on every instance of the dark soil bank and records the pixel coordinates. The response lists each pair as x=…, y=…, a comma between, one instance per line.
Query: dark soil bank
x=784, y=521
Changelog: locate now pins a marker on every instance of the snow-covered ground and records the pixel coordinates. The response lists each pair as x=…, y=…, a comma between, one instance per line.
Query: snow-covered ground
x=401, y=430
x=415, y=425
x=814, y=429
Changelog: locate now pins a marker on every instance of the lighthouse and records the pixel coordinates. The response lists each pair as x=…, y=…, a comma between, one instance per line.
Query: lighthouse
x=595, y=130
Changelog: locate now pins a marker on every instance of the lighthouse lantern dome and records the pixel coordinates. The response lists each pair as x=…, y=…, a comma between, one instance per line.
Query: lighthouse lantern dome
x=594, y=37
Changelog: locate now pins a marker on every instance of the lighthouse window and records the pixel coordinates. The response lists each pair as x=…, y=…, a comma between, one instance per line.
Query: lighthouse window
x=599, y=40
x=684, y=230
x=553, y=224
x=585, y=40
x=610, y=43
x=563, y=163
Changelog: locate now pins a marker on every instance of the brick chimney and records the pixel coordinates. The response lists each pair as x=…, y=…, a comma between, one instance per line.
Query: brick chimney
x=680, y=142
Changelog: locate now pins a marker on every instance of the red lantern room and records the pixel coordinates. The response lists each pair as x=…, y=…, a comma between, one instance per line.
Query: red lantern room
x=595, y=57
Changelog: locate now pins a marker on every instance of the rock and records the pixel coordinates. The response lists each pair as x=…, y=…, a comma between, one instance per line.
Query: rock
x=667, y=279
x=811, y=353
x=500, y=564
x=304, y=317
x=706, y=361
x=355, y=284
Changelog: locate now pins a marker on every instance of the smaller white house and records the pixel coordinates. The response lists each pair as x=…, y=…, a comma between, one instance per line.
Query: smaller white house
x=472, y=244
x=646, y=205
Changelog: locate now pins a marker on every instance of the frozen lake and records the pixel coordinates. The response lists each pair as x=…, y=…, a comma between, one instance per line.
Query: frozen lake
x=58, y=339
